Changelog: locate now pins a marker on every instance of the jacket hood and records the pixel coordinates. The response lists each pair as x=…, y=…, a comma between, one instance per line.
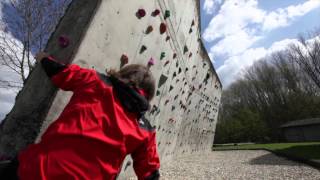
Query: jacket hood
x=130, y=99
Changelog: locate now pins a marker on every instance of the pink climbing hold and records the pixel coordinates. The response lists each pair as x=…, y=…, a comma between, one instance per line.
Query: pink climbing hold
x=64, y=41
x=151, y=62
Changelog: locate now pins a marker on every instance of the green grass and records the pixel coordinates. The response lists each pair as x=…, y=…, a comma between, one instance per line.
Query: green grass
x=308, y=150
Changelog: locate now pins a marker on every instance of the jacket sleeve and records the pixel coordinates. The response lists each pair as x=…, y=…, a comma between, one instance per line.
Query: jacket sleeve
x=146, y=161
x=67, y=77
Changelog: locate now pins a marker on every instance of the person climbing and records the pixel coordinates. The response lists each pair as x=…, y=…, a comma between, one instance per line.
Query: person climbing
x=102, y=123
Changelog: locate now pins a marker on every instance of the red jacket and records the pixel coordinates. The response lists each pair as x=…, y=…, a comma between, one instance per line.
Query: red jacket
x=94, y=133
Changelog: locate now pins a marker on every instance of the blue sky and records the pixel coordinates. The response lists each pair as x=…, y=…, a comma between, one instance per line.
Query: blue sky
x=237, y=33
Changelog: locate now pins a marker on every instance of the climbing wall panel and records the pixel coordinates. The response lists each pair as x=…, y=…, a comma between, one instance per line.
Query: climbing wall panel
x=165, y=34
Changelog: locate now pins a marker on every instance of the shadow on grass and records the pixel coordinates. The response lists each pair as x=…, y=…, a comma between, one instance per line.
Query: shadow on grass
x=271, y=159
x=302, y=154
x=304, y=151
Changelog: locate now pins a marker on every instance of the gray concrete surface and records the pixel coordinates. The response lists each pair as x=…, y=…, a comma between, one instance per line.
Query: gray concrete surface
x=235, y=165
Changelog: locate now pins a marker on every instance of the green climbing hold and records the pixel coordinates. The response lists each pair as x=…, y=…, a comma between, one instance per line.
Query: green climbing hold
x=142, y=49
x=185, y=49
x=162, y=55
x=167, y=14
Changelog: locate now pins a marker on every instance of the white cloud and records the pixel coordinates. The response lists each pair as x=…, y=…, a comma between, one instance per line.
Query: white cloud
x=282, y=45
x=245, y=15
x=239, y=24
x=284, y=17
x=234, y=16
x=235, y=64
x=8, y=94
x=234, y=44
x=209, y=5
x=7, y=98
x=232, y=67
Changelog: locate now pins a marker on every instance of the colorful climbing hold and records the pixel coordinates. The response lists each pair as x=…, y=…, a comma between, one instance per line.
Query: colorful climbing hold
x=155, y=12
x=124, y=59
x=167, y=62
x=166, y=102
x=185, y=49
x=149, y=29
x=167, y=38
x=190, y=30
x=192, y=23
x=163, y=28
x=158, y=93
x=140, y=13
x=171, y=87
x=63, y=41
x=162, y=55
x=143, y=48
x=190, y=54
x=151, y=62
x=166, y=14
x=162, y=80
x=174, y=55
x=174, y=75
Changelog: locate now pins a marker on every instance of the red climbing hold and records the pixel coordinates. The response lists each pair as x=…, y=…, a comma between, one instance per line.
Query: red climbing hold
x=64, y=41
x=163, y=28
x=124, y=59
x=141, y=13
x=190, y=54
x=156, y=12
x=167, y=62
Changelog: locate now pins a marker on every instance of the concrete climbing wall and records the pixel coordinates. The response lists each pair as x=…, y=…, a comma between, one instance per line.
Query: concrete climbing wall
x=185, y=107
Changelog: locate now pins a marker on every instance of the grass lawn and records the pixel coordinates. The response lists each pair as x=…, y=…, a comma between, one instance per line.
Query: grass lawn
x=308, y=150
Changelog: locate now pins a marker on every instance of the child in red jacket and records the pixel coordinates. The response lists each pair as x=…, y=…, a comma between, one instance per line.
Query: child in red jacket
x=103, y=122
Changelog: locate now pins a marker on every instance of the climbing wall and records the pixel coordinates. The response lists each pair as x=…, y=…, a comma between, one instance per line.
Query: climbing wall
x=165, y=34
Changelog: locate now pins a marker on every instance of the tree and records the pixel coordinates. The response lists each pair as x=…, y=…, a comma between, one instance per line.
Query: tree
x=307, y=55
x=26, y=26
x=273, y=91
